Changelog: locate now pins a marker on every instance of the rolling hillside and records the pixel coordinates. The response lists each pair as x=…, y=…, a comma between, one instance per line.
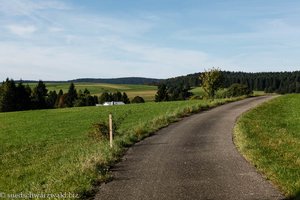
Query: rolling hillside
x=125, y=80
x=146, y=91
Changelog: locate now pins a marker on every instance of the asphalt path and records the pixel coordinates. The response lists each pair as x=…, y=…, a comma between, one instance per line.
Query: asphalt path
x=191, y=159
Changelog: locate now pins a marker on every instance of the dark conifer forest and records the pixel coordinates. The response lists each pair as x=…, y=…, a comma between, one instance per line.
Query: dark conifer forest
x=270, y=82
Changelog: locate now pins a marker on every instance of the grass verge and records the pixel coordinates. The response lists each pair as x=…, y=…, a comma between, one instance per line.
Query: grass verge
x=52, y=151
x=269, y=137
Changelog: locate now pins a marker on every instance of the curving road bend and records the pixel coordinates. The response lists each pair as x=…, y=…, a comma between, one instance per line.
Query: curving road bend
x=192, y=159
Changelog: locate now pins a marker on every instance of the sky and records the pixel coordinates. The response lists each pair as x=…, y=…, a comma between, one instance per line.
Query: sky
x=68, y=39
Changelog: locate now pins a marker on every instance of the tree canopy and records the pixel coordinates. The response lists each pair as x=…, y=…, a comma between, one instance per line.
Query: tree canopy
x=71, y=96
x=19, y=97
x=116, y=96
x=39, y=96
x=162, y=93
x=138, y=99
x=211, y=81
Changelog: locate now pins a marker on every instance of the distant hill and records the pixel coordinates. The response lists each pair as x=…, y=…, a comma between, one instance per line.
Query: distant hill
x=125, y=80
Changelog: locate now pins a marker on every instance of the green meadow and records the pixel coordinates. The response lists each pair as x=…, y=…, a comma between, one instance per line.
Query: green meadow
x=269, y=137
x=146, y=91
x=59, y=150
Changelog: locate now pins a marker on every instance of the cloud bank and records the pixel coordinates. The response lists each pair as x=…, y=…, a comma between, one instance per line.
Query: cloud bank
x=56, y=40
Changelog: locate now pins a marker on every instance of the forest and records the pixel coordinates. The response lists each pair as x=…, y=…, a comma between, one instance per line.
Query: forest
x=17, y=97
x=269, y=82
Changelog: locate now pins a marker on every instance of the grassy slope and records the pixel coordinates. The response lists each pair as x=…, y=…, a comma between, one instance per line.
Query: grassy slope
x=146, y=91
x=51, y=151
x=269, y=137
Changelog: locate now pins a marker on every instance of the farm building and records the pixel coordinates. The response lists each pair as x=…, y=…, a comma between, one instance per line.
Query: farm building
x=112, y=103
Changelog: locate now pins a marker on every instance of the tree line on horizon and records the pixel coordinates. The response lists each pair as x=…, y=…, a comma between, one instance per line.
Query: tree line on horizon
x=174, y=92
x=18, y=97
x=210, y=81
x=14, y=97
x=269, y=82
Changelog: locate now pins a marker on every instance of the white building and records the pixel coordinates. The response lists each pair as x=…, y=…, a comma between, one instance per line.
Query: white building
x=112, y=103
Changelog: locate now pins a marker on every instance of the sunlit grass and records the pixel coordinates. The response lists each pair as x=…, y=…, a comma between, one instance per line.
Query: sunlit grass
x=269, y=137
x=52, y=151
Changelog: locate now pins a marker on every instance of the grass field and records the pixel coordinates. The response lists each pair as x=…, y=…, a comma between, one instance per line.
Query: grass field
x=146, y=91
x=269, y=137
x=52, y=151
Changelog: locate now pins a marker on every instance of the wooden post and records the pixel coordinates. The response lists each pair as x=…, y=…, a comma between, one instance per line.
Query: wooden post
x=110, y=131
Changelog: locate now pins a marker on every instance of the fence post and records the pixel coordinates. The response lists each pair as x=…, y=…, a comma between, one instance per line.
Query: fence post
x=110, y=131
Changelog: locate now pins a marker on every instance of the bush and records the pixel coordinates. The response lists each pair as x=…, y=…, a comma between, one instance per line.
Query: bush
x=196, y=97
x=138, y=99
x=100, y=131
x=236, y=90
x=221, y=93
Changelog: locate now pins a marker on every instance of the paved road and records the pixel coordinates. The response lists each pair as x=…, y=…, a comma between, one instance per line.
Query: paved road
x=192, y=159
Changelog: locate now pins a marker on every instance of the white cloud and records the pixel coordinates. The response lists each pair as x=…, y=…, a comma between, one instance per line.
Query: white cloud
x=162, y=56
x=100, y=25
x=55, y=29
x=26, y=7
x=125, y=59
x=69, y=45
x=272, y=30
x=35, y=12
x=21, y=30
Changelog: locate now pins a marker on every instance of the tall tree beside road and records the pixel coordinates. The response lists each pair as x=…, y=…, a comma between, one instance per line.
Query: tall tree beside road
x=211, y=81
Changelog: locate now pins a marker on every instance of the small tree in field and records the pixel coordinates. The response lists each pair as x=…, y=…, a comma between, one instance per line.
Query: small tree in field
x=162, y=93
x=8, y=96
x=105, y=96
x=237, y=89
x=117, y=96
x=138, y=99
x=125, y=98
x=39, y=95
x=211, y=81
x=71, y=96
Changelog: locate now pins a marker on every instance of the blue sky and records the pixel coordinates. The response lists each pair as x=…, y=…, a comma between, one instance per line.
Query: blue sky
x=62, y=40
